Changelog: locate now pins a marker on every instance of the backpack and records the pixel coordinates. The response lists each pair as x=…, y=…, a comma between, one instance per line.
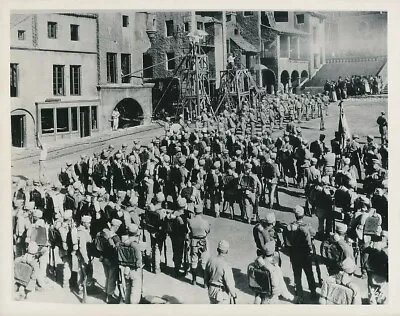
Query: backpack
x=259, y=280
x=152, y=221
x=372, y=224
x=336, y=294
x=39, y=235
x=331, y=252
x=54, y=237
x=23, y=272
x=98, y=246
x=126, y=256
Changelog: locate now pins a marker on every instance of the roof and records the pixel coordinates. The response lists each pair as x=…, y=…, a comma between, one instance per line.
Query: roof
x=286, y=29
x=243, y=44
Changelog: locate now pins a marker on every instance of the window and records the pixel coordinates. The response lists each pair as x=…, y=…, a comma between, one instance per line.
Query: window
x=21, y=35
x=125, y=21
x=111, y=67
x=58, y=80
x=281, y=16
x=74, y=119
x=13, y=80
x=94, y=117
x=248, y=13
x=236, y=32
x=228, y=17
x=52, y=29
x=126, y=68
x=300, y=18
x=47, y=120
x=75, y=80
x=186, y=27
x=147, y=66
x=62, y=120
x=170, y=27
x=74, y=32
x=200, y=25
x=170, y=61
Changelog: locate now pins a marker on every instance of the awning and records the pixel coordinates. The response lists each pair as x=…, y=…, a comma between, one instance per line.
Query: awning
x=287, y=30
x=243, y=44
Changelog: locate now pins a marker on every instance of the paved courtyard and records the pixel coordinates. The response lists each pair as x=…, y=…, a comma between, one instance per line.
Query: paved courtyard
x=361, y=116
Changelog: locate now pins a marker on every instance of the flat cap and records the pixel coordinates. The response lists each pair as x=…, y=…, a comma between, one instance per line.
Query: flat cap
x=223, y=246
x=270, y=218
x=37, y=213
x=86, y=219
x=198, y=208
x=348, y=265
x=116, y=222
x=269, y=248
x=181, y=203
x=133, y=229
x=29, y=205
x=299, y=211
x=341, y=228
x=67, y=214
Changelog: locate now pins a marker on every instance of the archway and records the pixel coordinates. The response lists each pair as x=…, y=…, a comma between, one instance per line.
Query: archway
x=131, y=113
x=268, y=80
x=285, y=80
x=304, y=75
x=19, y=127
x=295, y=80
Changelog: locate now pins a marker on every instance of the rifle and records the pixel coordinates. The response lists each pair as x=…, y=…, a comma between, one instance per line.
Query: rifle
x=185, y=256
x=165, y=252
x=84, y=297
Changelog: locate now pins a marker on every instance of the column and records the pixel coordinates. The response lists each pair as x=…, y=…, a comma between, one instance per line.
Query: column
x=298, y=47
x=288, y=46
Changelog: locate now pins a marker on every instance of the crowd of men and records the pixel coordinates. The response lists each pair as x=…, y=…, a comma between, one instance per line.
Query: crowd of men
x=121, y=204
x=353, y=86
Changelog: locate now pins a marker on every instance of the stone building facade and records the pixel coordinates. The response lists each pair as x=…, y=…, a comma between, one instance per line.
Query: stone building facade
x=68, y=71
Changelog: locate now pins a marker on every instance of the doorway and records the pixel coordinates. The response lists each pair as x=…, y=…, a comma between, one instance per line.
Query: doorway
x=18, y=130
x=85, y=121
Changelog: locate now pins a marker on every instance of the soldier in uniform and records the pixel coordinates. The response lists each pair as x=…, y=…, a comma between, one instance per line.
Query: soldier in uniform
x=383, y=127
x=328, y=165
x=218, y=277
x=264, y=231
x=353, y=151
x=133, y=274
x=248, y=187
x=110, y=260
x=268, y=261
x=301, y=251
x=199, y=228
x=157, y=234
x=84, y=239
x=69, y=245
x=271, y=176
x=178, y=234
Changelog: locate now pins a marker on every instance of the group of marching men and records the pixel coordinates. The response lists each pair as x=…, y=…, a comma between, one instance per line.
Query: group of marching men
x=272, y=111
x=107, y=206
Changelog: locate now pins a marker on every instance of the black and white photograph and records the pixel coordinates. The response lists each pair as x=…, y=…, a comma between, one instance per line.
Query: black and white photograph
x=199, y=157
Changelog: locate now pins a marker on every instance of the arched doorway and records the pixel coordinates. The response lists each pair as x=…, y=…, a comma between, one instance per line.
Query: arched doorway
x=304, y=75
x=131, y=113
x=285, y=80
x=22, y=121
x=268, y=80
x=295, y=80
